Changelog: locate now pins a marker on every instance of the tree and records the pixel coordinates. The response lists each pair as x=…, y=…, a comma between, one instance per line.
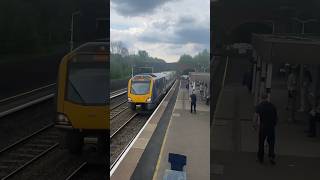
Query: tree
x=118, y=47
x=200, y=62
x=143, y=54
x=186, y=59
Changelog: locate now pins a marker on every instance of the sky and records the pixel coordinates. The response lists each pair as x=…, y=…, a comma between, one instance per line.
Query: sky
x=166, y=29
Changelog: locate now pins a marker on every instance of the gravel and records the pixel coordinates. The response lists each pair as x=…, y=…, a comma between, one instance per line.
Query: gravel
x=125, y=135
x=22, y=123
x=119, y=120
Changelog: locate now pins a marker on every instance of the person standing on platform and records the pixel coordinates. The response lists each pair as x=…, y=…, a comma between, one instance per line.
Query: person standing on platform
x=266, y=119
x=292, y=93
x=314, y=116
x=193, y=98
x=305, y=90
x=205, y=92
x=201, y=90
x=247, y=79
x=190, y=87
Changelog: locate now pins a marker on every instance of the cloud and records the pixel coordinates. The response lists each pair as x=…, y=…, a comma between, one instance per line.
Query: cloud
x=186, y=20
x=171, y=27
x=193, y=35
x=137, y=7
x=185, y=30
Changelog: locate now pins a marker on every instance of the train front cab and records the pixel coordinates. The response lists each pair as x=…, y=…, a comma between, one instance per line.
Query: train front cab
x=83, y=97
x=145, y=91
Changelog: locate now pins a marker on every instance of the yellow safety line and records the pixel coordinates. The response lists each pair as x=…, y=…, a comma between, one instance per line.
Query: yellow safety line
x=162, y=145
x=155, y=175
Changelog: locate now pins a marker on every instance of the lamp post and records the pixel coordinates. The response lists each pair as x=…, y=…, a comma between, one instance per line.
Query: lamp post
x=304, y=22
x=71, y=28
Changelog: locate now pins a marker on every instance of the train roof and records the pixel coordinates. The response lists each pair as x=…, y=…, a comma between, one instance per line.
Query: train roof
x=98, y=47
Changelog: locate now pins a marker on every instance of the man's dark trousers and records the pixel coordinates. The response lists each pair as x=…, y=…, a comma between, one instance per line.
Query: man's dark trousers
x=269, y=134
x=193, y=104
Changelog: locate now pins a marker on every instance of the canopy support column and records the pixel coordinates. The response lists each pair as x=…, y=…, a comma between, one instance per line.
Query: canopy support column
x=263, y=78
x=257, y=81
x=254, y=73
x=269, y=80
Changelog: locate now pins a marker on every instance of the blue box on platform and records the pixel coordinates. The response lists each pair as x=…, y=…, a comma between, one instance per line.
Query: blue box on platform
x=176, y=172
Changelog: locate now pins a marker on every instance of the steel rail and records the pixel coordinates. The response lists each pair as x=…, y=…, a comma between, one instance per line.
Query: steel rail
x=123, y=125
x=76, y=171
x=30, y=161
x=25, y=93
x=36, y=101
x=25, y=138
x=118, y=113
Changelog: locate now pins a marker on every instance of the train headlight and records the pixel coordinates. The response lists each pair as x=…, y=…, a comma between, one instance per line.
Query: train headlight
x=148, y=100
x=129, y=100
x=62, y=119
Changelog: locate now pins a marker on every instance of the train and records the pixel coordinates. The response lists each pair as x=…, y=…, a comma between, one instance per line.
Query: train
x=147, y=89
x=82, y=97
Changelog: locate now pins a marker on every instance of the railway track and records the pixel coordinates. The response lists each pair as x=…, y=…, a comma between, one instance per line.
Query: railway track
x=118, y=109
x=88, y=171
x=114, y=131
x=118, y=92
x=118, y=103
x=121, y=137
x=24, y=152
x=23, y=100
x=117, y=100
x=124, y=124
x=77, y=171
x=17, y=156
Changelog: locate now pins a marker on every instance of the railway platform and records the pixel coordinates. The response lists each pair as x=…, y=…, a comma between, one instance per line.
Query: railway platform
x=187, y=134
x=234, y=142
x=176, y=131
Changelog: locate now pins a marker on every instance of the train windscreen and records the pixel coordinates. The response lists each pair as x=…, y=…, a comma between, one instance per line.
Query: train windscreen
x=140, y=87
x=87, y=82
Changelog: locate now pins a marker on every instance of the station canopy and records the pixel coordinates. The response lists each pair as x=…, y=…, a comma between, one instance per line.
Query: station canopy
x=200, y=76
x=291, y=49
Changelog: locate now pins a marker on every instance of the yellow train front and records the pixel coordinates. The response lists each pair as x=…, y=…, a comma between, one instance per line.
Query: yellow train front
x=147, y=90
x=82, y=95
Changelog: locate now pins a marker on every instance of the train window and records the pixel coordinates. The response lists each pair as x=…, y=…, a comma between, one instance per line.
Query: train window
x=140, y=87
x=87, y=82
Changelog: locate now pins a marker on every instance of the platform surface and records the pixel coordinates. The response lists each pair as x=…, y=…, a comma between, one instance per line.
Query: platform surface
x=234, y=142
x=187, y=134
